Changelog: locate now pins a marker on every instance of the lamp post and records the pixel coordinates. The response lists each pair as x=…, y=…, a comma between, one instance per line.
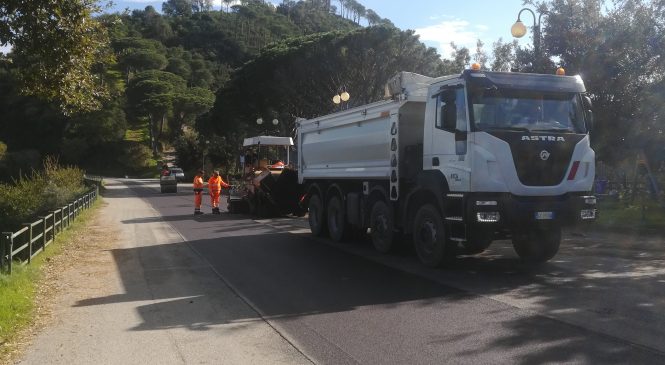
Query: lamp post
x=259, y=122
x=341, y=98
x=205, y=149
x=518, y=30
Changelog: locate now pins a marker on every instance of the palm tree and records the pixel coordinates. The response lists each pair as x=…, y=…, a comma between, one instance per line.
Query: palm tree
x=361, y=11
x=372, y=17
x=342, y=4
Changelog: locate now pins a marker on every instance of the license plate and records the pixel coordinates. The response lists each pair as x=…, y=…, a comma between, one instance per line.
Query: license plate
x=544, y=215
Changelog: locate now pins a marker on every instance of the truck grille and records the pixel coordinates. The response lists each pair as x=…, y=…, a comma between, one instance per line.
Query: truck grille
x=541, y=162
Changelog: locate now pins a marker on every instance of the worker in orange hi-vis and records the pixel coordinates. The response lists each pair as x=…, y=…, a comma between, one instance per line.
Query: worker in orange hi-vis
x=215, y=185
x=198, y=192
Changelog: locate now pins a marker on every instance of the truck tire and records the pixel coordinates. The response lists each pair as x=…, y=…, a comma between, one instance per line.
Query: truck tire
x=537, y=245
x=317, y=222
x=429, y=237
x=338, y=228
x=382, y=225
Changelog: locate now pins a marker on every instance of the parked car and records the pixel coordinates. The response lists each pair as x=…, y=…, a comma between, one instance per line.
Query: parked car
x=178, y=173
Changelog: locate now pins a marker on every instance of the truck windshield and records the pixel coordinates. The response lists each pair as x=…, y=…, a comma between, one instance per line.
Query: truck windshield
x=532, y=111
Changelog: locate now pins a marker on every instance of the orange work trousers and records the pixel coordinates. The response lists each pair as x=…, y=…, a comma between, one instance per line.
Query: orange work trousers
x=198, y=197
x=214, y=198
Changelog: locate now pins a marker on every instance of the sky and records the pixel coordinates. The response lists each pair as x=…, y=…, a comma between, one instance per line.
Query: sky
x=437, y=22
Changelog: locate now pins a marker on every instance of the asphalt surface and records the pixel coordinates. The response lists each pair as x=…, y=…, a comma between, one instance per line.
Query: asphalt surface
x=600, y=300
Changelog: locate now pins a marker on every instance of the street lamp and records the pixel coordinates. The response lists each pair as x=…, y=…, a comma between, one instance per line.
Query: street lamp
x=518, y=30
x=259, y=122
x=341, y=98
x=205, y=148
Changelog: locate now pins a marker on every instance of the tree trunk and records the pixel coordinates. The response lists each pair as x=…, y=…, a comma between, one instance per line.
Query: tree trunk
x=151, y=129
x=161, y=126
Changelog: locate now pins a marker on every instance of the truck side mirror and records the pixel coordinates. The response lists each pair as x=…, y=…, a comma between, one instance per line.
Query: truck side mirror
x=589, y=120
x=588, y=113
x=587, y=102
x=460, y=142
x=460, y=136
x=449, y=116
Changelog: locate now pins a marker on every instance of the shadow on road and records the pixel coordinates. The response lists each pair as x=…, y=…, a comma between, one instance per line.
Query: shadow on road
x=581, y=307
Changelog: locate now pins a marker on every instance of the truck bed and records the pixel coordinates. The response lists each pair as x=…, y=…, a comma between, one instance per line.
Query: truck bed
x=358, y=143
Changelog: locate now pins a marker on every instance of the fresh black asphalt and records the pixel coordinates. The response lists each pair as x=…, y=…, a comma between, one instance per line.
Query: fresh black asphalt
x=344, y=303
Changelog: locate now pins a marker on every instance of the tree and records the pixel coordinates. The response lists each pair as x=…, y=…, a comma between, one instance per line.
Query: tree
x=372, y=17
x=460, y=59
x=179, y=8
x=138, y=54
x=57, y=43
x=504, y=55
x=623, y=73
x=298, y=77
x=202, y=5
x=152, y=93
x=480, y=56
x=179, y=67
x=189, y=104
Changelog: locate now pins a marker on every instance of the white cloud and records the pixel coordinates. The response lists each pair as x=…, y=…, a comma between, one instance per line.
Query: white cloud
x=461, y=32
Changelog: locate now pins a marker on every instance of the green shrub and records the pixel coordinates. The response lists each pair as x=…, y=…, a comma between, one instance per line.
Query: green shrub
x=41, y=192
x=136, y=157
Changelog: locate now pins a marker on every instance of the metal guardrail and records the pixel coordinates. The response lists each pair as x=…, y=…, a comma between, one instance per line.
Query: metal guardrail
x=22, y=246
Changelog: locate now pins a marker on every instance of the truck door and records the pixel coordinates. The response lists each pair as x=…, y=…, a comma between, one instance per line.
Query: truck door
x=449, y=136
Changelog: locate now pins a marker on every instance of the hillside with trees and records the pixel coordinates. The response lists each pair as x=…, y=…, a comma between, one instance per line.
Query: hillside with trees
x=154, y=79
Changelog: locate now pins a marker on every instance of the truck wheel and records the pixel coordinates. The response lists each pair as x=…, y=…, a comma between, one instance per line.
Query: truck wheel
x=382, y=226
x=337, y=226
x=429, y=237
x=478, y=243
x=537, y=245
x=317, y=223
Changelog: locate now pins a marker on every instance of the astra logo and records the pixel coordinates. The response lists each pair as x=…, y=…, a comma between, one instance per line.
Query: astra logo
x=543, y=138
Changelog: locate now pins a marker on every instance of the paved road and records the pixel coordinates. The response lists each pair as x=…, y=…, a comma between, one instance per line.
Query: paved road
x=601, y=300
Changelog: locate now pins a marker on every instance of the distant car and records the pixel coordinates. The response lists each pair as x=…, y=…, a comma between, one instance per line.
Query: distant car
x=178, y=173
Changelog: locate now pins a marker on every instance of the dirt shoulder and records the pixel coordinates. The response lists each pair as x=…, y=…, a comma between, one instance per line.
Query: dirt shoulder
x=73, y=272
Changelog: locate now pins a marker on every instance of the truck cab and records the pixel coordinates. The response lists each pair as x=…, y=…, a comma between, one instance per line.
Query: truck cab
x=514, y=150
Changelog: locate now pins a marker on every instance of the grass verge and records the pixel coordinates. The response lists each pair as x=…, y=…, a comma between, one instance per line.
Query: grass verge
x=618, y=215
x=18, y=291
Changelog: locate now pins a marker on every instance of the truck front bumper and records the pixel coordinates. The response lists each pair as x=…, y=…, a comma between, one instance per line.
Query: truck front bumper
x=510, y=211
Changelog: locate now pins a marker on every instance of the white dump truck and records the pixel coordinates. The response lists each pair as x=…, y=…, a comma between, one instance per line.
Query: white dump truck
x=453, y=163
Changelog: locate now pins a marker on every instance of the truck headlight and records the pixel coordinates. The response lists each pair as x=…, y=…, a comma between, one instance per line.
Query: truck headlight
x=590, y=200
x=586, y=214
x=484, y=203
x=488, y=217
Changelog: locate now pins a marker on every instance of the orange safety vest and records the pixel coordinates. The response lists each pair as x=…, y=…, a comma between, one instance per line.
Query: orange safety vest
x=198, y=182
x=216, y=184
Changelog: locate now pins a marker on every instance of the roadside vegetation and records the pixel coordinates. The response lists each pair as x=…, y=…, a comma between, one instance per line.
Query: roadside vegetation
x=41, y=191
x=19, y=290
x=641, y=214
